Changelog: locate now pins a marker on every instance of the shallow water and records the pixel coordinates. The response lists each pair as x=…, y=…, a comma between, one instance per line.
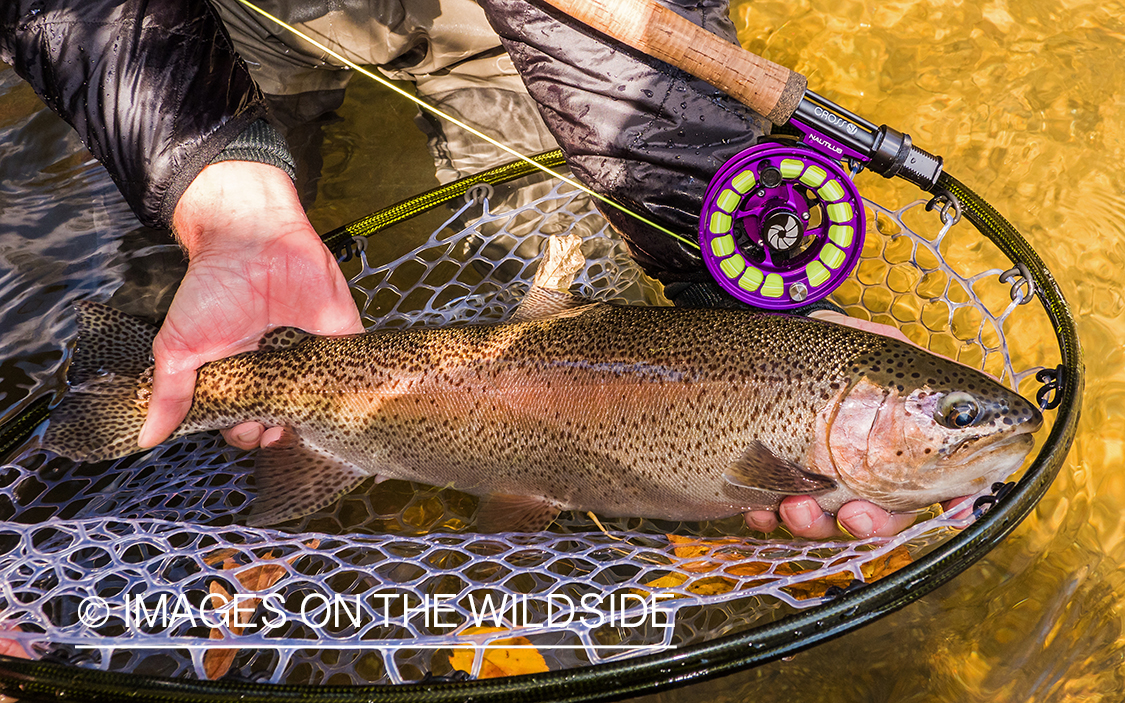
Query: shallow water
x=1025, y=102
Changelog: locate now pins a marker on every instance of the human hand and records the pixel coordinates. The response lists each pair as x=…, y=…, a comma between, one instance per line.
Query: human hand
x=254, y=263
x=804, y=518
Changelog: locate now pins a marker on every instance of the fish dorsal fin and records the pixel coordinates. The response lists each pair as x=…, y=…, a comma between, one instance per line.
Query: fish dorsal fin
x=760, y=468
x=512, y=513
x=294, y=479
x=543, y=303
x=549, y=295
x=283, y=338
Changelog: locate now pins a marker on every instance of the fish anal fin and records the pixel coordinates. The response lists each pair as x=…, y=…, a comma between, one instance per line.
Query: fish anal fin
x=761, y=469
x=283, y=338
x=295, y=479
x=513, y=513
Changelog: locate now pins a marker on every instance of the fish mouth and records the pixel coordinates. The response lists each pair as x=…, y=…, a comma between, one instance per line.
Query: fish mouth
x=999, y=458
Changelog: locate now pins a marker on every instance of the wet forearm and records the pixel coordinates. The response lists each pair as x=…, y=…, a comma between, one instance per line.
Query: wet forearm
x=154, y=89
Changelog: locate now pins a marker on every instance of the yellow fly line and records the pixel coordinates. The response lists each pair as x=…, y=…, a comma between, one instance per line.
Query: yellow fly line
x=430, y=108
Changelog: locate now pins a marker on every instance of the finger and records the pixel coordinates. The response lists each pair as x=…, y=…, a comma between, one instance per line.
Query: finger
x=350, y=321
x=169, y=405
x=804, y=518
x=761, y=520
x=271, y=435
x=246, y=435
x=341, y=316
x=862, y=519
x=12, y=648
x=961, y=505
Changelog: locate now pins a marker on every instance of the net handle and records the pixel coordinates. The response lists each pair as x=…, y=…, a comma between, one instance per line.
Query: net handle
x=766, y=87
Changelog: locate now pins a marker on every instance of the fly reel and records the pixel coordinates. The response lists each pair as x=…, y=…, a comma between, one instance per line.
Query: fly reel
x=782, y=226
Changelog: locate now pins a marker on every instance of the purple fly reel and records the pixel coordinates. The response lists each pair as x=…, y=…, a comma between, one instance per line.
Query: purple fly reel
x=782, y=226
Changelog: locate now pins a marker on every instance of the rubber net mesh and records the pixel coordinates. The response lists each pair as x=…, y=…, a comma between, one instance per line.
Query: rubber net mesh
x=144, y=564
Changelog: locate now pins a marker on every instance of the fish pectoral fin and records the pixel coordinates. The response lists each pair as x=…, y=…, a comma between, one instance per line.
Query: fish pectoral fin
x=512, y=513
x=761, y=469
x=283, y=338
x=294, y=479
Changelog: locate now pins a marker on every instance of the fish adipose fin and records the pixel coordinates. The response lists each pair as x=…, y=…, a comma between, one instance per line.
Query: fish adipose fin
x=110, y=379
x=294, y=479
x=511, y=513
x=283, y=338
x=760, y=468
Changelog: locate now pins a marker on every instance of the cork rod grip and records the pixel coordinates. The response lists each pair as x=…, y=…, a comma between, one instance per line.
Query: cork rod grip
x=771, y=90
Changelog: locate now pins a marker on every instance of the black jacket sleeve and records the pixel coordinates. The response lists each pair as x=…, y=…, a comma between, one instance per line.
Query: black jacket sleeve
x=153, y=87
x=632, y=127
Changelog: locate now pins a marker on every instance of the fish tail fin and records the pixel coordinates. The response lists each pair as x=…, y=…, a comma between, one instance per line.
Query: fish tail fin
x=110, y=382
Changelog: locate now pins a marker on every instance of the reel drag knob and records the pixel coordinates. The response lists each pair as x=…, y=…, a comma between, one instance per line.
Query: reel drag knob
x=782, y=231
x=782, y=226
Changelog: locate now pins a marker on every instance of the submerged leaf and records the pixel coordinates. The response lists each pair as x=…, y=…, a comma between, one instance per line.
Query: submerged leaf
x=719, y=556
x=259, y=577
x=217, y=662
x=500, y=661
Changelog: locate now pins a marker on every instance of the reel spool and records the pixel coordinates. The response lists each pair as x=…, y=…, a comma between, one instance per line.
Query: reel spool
x=782, y=226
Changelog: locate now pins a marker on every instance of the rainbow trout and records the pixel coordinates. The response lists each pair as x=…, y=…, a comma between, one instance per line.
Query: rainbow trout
x=643, y=411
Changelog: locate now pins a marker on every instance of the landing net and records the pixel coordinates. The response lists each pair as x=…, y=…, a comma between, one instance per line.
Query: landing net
x=144, y=565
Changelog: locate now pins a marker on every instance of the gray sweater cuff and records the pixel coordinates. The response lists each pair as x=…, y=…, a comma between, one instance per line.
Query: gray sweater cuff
x=262, y=143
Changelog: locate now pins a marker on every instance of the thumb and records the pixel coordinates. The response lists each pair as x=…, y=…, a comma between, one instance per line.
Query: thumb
x=168, y=406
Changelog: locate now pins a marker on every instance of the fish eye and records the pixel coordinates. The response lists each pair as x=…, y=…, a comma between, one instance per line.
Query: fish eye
x=957, y=410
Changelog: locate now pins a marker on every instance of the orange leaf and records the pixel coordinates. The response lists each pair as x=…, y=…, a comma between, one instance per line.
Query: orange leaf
x=260, y=577
x=713, y=549
x=217, y=662
x=872, y=570
x=499, y=661
x=747, y=568
x=686, y=547
x=218, y=555
x=887, y=564
x=672, y=580
x=816, y=588
x=712, y=586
